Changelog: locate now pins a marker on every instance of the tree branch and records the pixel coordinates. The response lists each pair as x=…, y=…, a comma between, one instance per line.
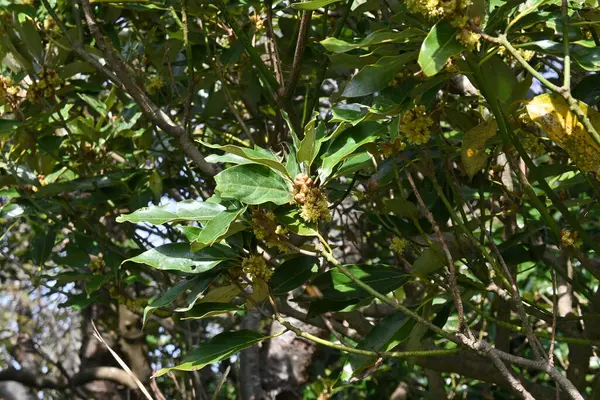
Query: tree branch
x=40, y=381
x=150, y=110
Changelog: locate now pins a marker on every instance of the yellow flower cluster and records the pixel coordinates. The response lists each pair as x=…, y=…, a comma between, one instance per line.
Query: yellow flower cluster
x=415, y=125
x=468, y=38
x=8, y=92
x=395, y=146
x=266, y=229
x=455, y=10
x=568, y=238
x=46, y=85
x=439, y=8
x=313, y=202
x=133, y=305
x=532, y=144
x=399, y=245
x=256, y=267
x=155, y=84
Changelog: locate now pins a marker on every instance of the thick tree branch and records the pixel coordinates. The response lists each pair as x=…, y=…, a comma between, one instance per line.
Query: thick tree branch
x=40, y=381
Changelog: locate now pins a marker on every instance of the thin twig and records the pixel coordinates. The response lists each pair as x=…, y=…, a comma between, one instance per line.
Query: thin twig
x=452, y=268
x=288, y=89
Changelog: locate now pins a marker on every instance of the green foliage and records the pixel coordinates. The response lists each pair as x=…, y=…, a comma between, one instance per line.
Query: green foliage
x=397, y=175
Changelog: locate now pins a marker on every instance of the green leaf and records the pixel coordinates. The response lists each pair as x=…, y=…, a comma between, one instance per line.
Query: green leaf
x=254, y=184
x=256, y=155
x=221, y=294
x=8, y=126
x=196, y=291
x=525, y=9
x=32, y=40
x=205, y=310
x=313, y=5
x=401, y=207
x=42, y=247
x=291, y=220
x=377, y=339
x=473, y=153
x=504, y=78
x=168, y=297
x=428, y=262
x=218, y=226
x=292, y=274
x=178, y=257
x=382, y=36
x=373, y=78
x=439, y=45
x=309, y=146
x=216, y=349
x=193, y=233
x=187, y=210
x=347, y=143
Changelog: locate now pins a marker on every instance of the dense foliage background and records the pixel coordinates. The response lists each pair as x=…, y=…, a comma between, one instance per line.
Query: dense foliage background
x=321, y=199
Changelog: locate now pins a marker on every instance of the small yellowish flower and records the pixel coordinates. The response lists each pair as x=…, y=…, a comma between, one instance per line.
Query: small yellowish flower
x=399, y=245
x=266, y=229
x=415, y=125
x=468, y=38
x=568, y=238
x=155, y=84
x=46, y=85
x=256, y=266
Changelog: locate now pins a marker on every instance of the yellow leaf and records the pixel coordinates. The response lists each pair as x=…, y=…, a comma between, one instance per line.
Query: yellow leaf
x=473, y=153
x=552, y=114
x=221, y=294
x=260, y=291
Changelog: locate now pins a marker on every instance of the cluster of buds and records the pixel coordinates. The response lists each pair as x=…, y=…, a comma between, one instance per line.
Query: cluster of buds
x=257, y=21
x=8, y=92
x=133, y=305
x=415, y=124
x=568, y=238
x=96, y=264
x=46, y=85
x=313, y=202
x=399, y=245
x=265, y=228
x=532, y=144
x=155, y=84
x=454, y=10
x=393, y=147
x=256, y=267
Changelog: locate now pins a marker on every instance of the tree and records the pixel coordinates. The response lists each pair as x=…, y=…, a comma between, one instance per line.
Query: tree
x=318, y=199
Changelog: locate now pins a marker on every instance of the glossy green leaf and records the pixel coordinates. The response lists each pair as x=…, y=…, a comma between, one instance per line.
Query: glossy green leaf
x=168, y=297
x=42, y=247
x=290, y=218
x=382, y=36
x=179, y=257
x=8, y=126
x=187, y=210
x=504, y=78
x=377, y=340
x=373, y=78
x=347, y=143
x=309, y=146
x=257, y=155
x=205, y=310
x=292, y=274
x=313, y=4
x=194, y=234
x=254, y=184
x=216, y=349
x=430, y=260
x=218, y=226
x=439, y=45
